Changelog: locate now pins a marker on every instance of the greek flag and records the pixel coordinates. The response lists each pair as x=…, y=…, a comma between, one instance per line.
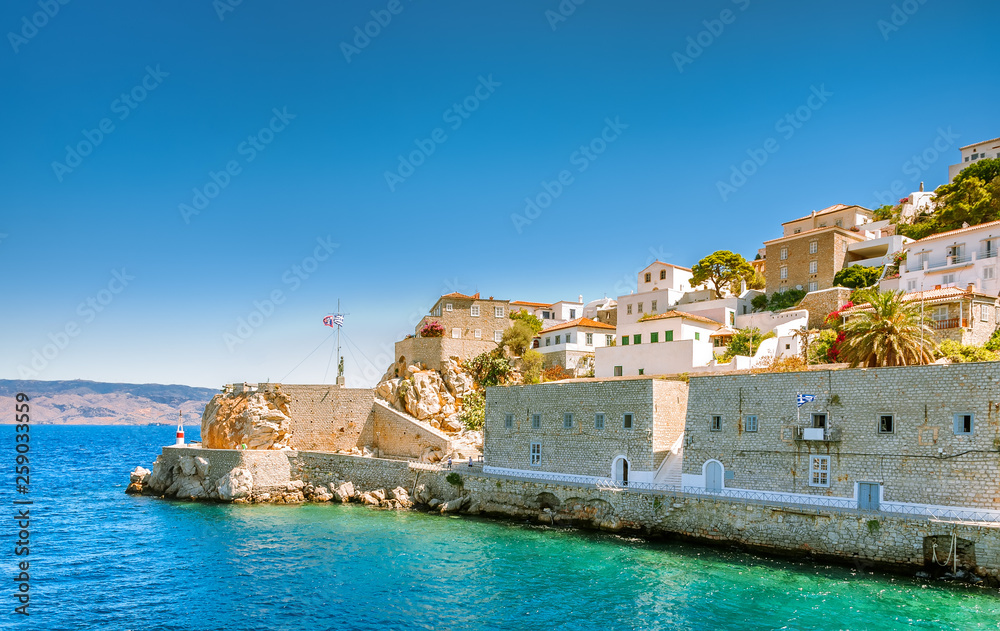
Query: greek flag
x=802, y=399
x=334, y=320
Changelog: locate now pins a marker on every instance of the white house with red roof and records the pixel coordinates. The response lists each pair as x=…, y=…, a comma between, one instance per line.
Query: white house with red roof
x=551, y=313
x=572, y=344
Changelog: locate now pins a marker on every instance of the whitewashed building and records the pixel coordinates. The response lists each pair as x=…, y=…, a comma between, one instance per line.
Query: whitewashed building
x=661, y=344
x=956, y=258
x=572, y=344
x=974, y=153
x=551, y=314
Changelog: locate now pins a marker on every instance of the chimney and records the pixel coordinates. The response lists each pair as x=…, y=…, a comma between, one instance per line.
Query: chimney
x=580, y=298
x=971, y=288
x=921, y=187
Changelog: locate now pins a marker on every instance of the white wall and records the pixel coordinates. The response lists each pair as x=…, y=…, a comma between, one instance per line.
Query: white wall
x=782, y=323
x=578, y=340
x=940, y=269
x=662, y=358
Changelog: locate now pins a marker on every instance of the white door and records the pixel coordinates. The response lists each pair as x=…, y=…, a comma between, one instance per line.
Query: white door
x=713, y=477
x=621, y=471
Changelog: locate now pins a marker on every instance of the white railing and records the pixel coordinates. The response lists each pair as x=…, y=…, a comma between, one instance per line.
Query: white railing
x=787, y=500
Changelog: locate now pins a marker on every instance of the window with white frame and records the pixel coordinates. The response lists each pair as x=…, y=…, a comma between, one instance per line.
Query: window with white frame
x=819, y=470
x=436, y=311
x=567, y=421
x=609, y=340
x=536, y=421
x=568, y=340
x=590, y=339
x=536, y=454
x=715, y=423
x=813, y=247
x=572, y=314
x=640, y=307
x=475, y=311
x=984, y=313
x=548, y=341
x=598, y=421
x=813, y=267
x=784, y=273
x=558, y=339
x=497, y=336
x=940, y=313
x=886, y=424
x=989, y=272
x=750, y=423
x=508, y=421
x=628, y=309
x=448, y=307
x=498, y=312
x=784, y=254
x=456, y=333
x=948, y=279
x=911, y=285
x=478, y=334
x=652, y=306
x=813, y=286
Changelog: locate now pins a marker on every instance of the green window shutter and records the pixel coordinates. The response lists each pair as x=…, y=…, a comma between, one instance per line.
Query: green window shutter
x=654, y=337
x=668, y=336
x=637, y=338
x=697, y=335
x=624, y=340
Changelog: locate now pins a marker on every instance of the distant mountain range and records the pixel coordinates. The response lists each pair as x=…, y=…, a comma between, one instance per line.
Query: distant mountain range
x=96, y=403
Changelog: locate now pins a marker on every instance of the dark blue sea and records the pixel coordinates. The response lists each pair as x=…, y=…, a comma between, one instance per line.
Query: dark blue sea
x=101, y=559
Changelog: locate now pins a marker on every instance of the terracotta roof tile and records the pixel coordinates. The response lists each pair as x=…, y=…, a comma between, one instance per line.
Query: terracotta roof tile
x=581, y=322
x=955, y=231
x=932, y=296
x=522, y=303
x=981, y=142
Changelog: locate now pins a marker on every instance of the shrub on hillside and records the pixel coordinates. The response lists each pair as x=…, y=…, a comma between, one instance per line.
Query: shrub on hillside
x=961, y=353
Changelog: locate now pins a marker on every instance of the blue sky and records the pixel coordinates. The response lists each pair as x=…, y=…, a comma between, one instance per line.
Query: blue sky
x=290, y=122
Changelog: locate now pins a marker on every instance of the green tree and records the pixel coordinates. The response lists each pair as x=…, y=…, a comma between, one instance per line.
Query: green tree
x=531, y=366
x=959, y=353
x=723, y=269
x=784, y=299
x=756, y=281
x=993, y=344
x=889, y=332
x=473, y=414
x=759, y=303
x=819, y=348
x=972, y=198
x=746, y=342
x=518, y=337
x=529, y=319
x=857, y=277
x=489, y=369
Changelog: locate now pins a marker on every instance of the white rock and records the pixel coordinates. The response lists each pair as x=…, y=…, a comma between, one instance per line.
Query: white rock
x=139, y=474
x=187, y=465
x=453, y=506
x=235, y=484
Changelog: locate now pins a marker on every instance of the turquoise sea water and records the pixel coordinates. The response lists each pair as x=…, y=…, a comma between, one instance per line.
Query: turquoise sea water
x=103, y=560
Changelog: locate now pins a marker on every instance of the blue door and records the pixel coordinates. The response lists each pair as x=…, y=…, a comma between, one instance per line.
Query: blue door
x=868, y=493
x=713, y=477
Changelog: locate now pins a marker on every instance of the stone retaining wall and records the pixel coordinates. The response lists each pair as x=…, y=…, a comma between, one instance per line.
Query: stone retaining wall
x=270, y=469
x=398, y=434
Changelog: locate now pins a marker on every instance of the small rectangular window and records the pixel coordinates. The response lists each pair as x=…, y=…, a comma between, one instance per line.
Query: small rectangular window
x=598, y=421
x=984, y=313
x=536, y=421
x=716, y=423
x=627, y=419
x=784, y=254
x=558, y=339
x=783, y=272
x=548, y=341
x=628, y=309
x=640, y=307
x=637, y=338
x=652, y=305
x=750, y=423
x=618, y=371
x=813, y=286
x=589, y=339
x=648, y=277
x=989, y=272
x=654, y=337
x=886, y=424
x=498, y=336
x=663, y=274
x=572, y=314
x=536, y=454
x=668, y=336
x=964, y=423
x=819, y=420
x=498, y=312
x=813, y=246
x=642, y=371
x=456, y=333
x=567, y=421
x=624, y=340
x=478, y=334
x=447, y=306
x=813, y=267
x=508, y=421
x=697, y=335
x=609, y=340
x=819, y=470
x=475, y=311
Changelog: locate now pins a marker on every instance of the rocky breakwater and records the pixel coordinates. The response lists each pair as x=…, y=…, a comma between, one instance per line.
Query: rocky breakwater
x=251, y=418
x=188, y=478
x=435, y=398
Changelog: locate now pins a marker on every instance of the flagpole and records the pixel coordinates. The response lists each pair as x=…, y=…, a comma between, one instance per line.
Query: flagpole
x=338, y=343
x=798, y=409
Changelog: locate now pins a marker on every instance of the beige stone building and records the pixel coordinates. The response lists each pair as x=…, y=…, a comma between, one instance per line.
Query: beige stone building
x=965, y=315
x=812, y=249
x=587, y=430
x=472, y=325
x=918, y=436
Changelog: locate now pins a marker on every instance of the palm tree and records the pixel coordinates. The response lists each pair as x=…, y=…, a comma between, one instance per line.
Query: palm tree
x=887, y=332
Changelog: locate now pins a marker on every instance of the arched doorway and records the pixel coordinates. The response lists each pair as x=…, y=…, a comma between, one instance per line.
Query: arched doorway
x=621, y=471
x=713, y=476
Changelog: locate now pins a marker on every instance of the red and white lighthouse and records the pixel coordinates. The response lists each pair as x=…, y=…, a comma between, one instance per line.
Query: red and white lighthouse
x=180, y=428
